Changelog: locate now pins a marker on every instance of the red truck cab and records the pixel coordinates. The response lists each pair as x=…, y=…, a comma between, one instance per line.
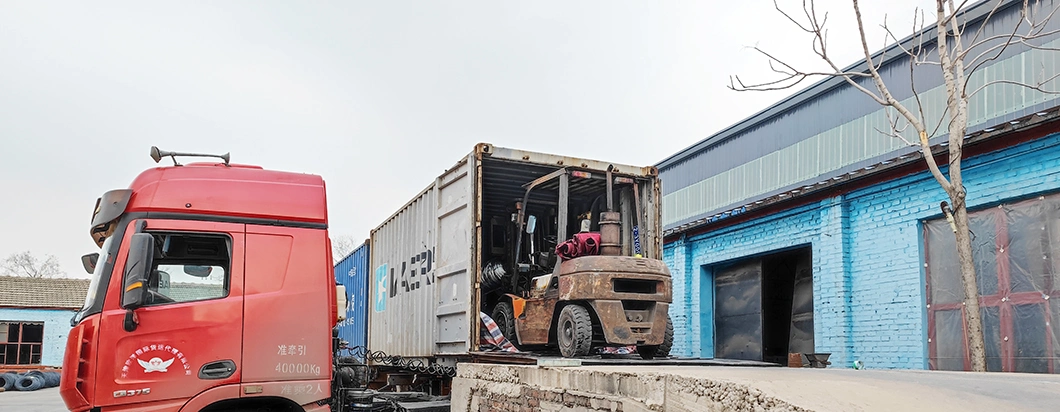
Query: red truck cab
x=212, y=290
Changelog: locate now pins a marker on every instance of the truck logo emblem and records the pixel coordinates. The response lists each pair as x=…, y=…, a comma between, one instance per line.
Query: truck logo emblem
x=155, y=365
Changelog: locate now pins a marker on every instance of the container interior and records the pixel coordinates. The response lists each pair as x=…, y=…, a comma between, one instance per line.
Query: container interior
x=504, y=186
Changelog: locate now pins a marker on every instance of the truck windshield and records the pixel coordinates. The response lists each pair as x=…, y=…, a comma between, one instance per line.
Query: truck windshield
x=94, y=285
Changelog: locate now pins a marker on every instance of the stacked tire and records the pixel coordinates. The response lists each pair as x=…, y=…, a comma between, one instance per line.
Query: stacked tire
x=29, y=381
x=8, y=379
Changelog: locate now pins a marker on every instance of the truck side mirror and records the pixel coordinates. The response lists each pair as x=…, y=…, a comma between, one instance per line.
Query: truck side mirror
x=198, y=271
x=89, y=262
x=137, y=271
x=531, y=224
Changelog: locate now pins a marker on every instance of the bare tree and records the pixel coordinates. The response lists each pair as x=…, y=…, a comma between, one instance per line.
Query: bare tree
x=25, y=264
x=341, y=246
x=957, y=62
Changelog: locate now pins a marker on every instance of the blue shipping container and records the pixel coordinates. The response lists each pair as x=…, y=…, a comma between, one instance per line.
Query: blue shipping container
x=352, y=272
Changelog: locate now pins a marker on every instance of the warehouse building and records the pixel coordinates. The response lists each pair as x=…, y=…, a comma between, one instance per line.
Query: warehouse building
x=35, y=319
x=802, y=229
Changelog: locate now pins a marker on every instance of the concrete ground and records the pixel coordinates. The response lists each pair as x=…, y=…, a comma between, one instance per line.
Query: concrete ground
x=43, y=400
x=881, y=390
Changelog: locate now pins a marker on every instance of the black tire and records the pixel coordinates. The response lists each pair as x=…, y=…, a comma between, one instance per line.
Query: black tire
x=663, y=350
x=7, y=380
x=30, y=383
x=52, y=379
x=574, y=331
x=504, y=317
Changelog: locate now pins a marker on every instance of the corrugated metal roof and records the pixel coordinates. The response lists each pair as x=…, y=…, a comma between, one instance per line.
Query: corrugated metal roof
x=999, y=131
x=831, y=130
x=972, y=14
x=24, y=292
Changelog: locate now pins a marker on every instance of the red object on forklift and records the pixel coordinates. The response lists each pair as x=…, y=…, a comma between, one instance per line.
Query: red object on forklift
x=583, y=244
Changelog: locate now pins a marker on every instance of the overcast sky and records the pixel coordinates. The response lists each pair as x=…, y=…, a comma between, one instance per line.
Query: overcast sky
x=378, y=97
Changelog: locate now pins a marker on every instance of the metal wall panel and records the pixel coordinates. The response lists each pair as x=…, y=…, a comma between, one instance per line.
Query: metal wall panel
x=352, y=272
x=401, y=319
x=831, y=128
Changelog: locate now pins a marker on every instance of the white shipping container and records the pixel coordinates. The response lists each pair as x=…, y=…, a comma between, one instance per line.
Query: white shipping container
x=426, y=258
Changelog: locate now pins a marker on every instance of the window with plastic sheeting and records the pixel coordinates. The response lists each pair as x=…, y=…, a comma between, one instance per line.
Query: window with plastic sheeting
x=1016, y=249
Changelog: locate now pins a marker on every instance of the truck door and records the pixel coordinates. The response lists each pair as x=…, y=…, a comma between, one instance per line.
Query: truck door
x=188, y=337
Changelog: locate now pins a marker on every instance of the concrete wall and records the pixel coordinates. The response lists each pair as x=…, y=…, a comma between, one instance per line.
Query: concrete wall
x=56, y=328
x=517, y=388
x=673, y=388
x=867, y=258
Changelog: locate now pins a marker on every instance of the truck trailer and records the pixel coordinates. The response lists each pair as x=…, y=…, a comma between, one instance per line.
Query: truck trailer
x=213, y=289
x=562, y=253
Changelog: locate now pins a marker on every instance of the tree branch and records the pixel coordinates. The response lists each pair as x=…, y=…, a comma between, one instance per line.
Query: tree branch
x=916, y=55
x=983, y=24
x=1008, y=40
x=895, y=132
x=975, y=63
x=1037, y=86
x=1034, y=32
x=792, y=75
x=912, y=87
x=25, y=264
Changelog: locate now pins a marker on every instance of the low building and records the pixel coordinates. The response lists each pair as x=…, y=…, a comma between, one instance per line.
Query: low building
x=35, y=319
x=805, y=229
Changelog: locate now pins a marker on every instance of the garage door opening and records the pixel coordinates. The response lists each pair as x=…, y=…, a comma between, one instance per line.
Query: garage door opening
x=763, y=307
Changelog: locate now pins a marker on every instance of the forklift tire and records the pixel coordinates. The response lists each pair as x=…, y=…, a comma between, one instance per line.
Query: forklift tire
x=659, y=351
x=574, y=331
x=504, y=317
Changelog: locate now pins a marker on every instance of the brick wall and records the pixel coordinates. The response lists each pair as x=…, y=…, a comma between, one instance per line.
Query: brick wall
x=866, y=256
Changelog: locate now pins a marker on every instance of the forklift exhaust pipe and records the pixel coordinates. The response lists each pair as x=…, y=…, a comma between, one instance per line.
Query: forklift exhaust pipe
x=610, y=223
x=610, y=182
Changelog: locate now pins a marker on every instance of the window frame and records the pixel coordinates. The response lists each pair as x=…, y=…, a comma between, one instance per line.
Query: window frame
x=227, y=281
x=20, y=343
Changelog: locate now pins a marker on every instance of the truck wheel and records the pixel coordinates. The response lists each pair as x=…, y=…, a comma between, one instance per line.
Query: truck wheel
x=504, y=317
x=659, y=351
x=575, y=334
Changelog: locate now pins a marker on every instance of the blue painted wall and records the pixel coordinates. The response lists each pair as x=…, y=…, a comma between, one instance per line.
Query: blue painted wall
x=867, y=259
x=56, y=328
x=352, y=272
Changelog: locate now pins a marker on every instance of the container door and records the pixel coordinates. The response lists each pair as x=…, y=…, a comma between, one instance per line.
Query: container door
x=188, y=338
x=455, y=249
